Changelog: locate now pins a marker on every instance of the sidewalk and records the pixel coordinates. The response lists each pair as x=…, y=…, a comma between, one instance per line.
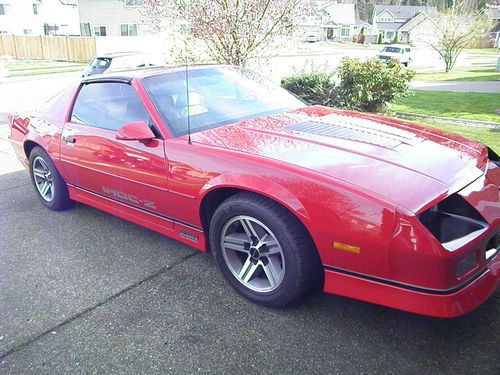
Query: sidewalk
x=492, y=87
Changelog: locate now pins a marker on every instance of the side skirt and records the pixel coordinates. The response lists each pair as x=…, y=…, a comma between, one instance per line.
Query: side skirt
x=184, y=233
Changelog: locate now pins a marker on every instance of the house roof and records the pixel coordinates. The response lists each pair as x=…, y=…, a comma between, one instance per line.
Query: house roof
x=405, y=11
x=341, y=13
x=390, y=26
x=359, y=21
x=414, y=21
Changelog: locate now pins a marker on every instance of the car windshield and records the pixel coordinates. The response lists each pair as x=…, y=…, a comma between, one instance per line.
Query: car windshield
x=217, y=96
x=392, y=49
x=100, y=62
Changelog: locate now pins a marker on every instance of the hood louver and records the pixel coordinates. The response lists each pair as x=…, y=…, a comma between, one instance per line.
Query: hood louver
x=348, y=133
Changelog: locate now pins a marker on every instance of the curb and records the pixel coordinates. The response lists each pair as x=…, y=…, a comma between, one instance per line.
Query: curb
x=466, y=122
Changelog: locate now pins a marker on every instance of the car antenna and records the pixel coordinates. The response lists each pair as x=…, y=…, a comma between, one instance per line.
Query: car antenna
x=187, y=104
x=187, y=78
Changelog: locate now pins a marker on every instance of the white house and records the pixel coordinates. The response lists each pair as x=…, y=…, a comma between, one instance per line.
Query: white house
x=39, y=17
x=410, y=23
x=329, y=21
x=111, y=18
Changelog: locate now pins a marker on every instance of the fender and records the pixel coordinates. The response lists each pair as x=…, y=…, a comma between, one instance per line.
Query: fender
x=48, y=137
x=259, y=185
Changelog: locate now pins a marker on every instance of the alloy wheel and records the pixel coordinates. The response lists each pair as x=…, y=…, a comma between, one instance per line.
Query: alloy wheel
x=253, y=254
x=43, y=179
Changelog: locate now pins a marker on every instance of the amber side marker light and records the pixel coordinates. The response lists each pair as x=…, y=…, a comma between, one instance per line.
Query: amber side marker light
x=346, y=247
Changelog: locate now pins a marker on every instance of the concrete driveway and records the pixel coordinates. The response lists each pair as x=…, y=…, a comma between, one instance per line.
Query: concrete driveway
x=84, y=292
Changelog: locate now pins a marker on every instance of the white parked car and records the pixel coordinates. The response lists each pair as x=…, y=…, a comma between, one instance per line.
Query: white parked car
x=312, y=38
x=119, y=61
x=399, y=52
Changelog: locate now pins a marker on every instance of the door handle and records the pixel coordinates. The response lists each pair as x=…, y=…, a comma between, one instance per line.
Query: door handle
x=69, y=139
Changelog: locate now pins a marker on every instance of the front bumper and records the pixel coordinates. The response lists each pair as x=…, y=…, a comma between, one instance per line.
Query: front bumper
x=442, y=304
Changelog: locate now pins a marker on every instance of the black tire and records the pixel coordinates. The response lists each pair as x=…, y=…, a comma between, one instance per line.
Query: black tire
x=59, y=198
x=303, y=271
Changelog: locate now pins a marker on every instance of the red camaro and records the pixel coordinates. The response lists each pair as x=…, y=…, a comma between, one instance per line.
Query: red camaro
x=285, y=195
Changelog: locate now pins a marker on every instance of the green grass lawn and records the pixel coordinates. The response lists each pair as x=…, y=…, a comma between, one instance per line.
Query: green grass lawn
x=480, y=73
x=472, y=106
x=488, y=136
x=36, y=67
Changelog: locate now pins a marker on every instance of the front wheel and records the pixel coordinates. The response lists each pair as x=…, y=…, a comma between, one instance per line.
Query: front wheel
x=263, y=251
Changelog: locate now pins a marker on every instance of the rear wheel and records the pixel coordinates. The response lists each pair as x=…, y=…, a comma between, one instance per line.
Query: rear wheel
x=264, y=252
x=49, y=185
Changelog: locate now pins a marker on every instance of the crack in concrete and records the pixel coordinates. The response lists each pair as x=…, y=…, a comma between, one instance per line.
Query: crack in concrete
x=15, y=187
x=88, y=310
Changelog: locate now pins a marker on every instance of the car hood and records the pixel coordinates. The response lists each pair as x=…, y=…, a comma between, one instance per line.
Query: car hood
x=405, y=163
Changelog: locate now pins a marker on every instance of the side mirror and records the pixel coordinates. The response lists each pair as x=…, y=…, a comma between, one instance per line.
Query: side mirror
x=135, y=131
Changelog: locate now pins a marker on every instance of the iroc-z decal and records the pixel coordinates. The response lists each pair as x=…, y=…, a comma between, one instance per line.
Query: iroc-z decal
x=129, y=198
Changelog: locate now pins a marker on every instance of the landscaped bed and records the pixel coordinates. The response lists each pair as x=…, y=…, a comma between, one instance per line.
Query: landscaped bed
x=487, y=135
x=472, y=106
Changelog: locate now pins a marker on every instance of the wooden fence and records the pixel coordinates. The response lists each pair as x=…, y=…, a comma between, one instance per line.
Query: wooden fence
x=60, y=48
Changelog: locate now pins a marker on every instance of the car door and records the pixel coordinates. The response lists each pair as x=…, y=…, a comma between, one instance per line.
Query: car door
x=130, y=172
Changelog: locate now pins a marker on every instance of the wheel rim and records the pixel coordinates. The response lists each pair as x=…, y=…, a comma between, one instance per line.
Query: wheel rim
x=253, y=254
x=43, y=179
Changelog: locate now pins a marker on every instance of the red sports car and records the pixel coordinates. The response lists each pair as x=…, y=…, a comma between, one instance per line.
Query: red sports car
x=284, y=195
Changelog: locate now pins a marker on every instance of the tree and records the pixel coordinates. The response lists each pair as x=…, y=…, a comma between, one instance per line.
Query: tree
x=233, y=31
x=457, y=28
x=361, y=37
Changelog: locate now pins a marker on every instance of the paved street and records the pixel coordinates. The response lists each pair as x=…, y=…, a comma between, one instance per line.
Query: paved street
x=463, y=86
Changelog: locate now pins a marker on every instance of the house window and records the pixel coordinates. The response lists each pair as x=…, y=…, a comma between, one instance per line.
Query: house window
x=100, y=30
x=85, y=29
x=389, y=35
x=134, y=3
x=345, y=31
x=27, y=31
x=129, y=30
x=35, y=8
x=385, y=17
x=4, y=9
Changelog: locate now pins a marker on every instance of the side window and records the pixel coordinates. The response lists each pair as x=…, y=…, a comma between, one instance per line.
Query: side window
x=108, y=105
